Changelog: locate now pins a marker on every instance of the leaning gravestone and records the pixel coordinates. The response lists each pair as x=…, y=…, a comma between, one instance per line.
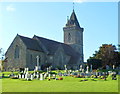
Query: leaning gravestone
x=45, y=75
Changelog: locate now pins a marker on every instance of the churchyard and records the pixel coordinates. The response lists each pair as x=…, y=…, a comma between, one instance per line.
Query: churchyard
x=60, y=81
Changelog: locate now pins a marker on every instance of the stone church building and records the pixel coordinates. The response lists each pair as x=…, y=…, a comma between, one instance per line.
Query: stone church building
x=23, y=50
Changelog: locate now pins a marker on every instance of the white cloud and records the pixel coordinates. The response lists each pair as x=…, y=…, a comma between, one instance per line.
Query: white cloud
x=10, y=8
x=79, y=1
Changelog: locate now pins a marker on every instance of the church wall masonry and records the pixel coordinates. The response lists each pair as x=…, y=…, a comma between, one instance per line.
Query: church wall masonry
x=12, y=61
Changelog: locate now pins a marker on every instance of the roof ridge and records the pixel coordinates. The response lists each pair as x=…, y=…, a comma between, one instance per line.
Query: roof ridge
x=48, y=39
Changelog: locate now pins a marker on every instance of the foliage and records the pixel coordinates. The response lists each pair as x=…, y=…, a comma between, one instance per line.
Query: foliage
x=96, y=63
x=107, y=54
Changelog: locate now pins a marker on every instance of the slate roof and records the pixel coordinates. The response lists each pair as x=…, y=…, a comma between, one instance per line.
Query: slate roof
x=31, y=43
x=52, y=47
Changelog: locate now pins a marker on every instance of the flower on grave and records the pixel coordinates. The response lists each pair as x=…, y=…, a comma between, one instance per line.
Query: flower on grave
x=60, y=78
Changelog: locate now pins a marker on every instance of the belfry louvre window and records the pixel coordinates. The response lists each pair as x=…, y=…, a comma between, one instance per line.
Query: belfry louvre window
x=69, y=37
x=17, y=50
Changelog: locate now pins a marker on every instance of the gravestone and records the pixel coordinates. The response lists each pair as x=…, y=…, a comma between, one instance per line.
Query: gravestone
x=107, y=67
x=28, y=76
x=31, y=76
x=60, y=74
x=113, y=67
x=23, y=76
x=19, y=76
x=45, y=75
x=41, y=76
x=65, y=68
x=49, y=76
x=80, y=68
x=65, y=74
x=87, y=69
x=90, y=68
x=37, y=75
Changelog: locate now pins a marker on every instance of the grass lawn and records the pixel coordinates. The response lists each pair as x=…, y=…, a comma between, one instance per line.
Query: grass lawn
x=68, y=84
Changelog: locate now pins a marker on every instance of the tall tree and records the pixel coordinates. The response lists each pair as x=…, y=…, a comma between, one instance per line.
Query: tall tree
x=107, y=54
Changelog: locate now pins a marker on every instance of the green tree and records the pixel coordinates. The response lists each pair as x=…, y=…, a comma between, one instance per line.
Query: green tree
x=96, y=63
x=108, y=54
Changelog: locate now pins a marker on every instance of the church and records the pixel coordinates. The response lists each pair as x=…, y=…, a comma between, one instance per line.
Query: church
x=23, y=51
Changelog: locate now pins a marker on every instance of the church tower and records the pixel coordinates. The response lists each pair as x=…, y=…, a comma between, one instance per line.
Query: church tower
x=73, y=35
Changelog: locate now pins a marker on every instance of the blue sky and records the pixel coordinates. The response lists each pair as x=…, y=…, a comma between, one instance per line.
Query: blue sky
x=47, y=19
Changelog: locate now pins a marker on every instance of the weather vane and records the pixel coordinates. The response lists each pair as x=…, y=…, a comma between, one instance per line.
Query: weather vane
x=73, y=6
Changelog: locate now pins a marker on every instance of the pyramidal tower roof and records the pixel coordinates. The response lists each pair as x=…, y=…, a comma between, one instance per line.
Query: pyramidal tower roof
x=73, y=20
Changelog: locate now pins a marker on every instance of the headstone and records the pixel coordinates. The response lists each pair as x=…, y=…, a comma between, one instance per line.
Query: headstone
x=31, y=77
x=96, y=73
x=36, y=68
x=65, y=68
x=28, y=76
x=47, y=70
x=45, y=75
x=50, y=68
x=54, y=76
x=27, y=69
x=49, y=76
x=60, y=74
x=70, y=71
x=82, y=70
x=90, y=68
x=37, y=75
x=80, y=67
x=20, y=76
x=107, y=67
x=65, y=74
x=23, y=76
x=113, y=67
x=24, y=70
x=41, y=76
x=87, y=69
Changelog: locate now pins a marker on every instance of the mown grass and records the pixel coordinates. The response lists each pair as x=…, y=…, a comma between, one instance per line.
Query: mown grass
x=68, y=84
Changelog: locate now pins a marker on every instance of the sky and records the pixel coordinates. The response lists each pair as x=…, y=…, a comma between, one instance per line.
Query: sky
x=47, y=19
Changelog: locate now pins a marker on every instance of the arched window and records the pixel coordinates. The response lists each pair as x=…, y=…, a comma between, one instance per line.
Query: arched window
x=31, y=58
x=69, y=37
x=17, y=51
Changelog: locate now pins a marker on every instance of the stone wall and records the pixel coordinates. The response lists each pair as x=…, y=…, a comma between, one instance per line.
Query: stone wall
x=32, y=60
x=12, y=62
x=60, y=58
